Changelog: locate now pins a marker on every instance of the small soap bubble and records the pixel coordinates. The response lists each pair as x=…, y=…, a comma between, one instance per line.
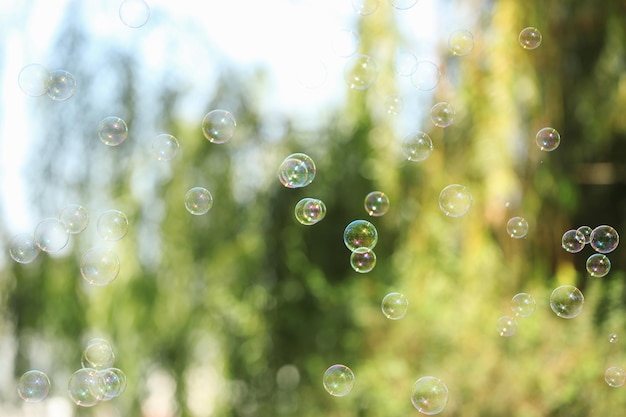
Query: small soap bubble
x=442, y=114
x=604, y=239
x=345, y=42
x=425, y=76
x=613, y=338
x=33, y=386
x=548, y=139
x=363, y=261
x=567, y=301
x=360, y=235
x=86, y=387
x=506, y=326
x=297, y=170
x=74, y=217
x=99, y=266
x=311, y=72
x=461, y=42
x=134, y=13
x=394, y=104
x=376, y=203
x=218, y=126
x=530, y=38
x=51, y=235
x=429, y=395
x=164, y=147
x=455, y=200
x=403, y=4
x=417, y=147
x=23, y=248
x=114, y=383
x=573, y=241
x=394, y=305
x=360, y=72
x=523, y=305
x=112, y=131
x=198, y=201
x=33, y=80
x=338, y=380
x=61, y=85
x=586, y=231
x=98, y=354
x=112, y=225
x=598, y=265
x=615, y=376
x=309, y=211
x=517, y=227
x=405, y=63
x=365, y=7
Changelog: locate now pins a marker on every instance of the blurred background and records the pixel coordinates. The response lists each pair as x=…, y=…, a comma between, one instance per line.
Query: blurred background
x=239, y=312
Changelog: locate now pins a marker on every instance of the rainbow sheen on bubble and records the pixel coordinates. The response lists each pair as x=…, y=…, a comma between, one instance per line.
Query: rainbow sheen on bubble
x=442, y=114
x=517, y=227
x=198, y=201
x=523, y=305
x=429, y=395
x=33, y=386
x=360, y=235
x=376, y=203
x=598, y=265
x=23, y=248
x=338, y=380
x=309, y=211
x=98, y=354
x=86, y=387
x=297, y=170
x=165, y=147
x=567, y=301
x=99, y=266
x=219, y=126
x=112, y=130
x=394, y=305
x=75, y=218
x=530, y=38
x=586, y=231
x=114, y=380
x=455, y=200
x=363, y=261
x=51, y=235
x=61, y=85
x=417, y=147
x=573, y=241
x=548, y=139
x=604, y=239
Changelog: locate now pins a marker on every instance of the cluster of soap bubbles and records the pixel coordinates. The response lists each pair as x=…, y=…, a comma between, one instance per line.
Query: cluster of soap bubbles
x=36, y=80
x=603, y=239
x=523, y=305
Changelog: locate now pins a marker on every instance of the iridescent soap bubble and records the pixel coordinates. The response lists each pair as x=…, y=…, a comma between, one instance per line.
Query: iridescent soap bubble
x=506, y=326
x=615, y=376
x=74, y=217
x=442, y=114
x=523, y=305
x=548, y=139
x=33, y=80
x=530, y=38
x=604, y=239
x=429, y=395
x=51, y=235
x=417, y=147
x=403, y=4
x=376, y=203
x=598, y=265
x=112, y=225
x=394, y=104
x=297, y=170
x=405, y=63
x=363, y=261
x=198, y=201
x=61, y=85
x=360, y=235
x=613, y=338
x=134, y=13
x=517, y=227
x=23, y=248
x=573, y=241
x=365, y=7
x=309, y=211
x=455, y=200
x=98, y=354
x=345, y=42
x=360, y=72
x=33, y=386
x=338, y=380
x=218, y=126
x=86, y=387
x=165, y=147
x=99, y=266
x=426, y=75
x=112, y=131
x=114, y=380
x=394, y=305
x=567, y=301
x=460, y=42
x=586, y=231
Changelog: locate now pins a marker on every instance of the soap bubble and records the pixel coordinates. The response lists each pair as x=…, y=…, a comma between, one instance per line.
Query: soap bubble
x=442, y=114
x=360, y=235
x=99, y=266
x=604, y=239
x=296, y=171
x=598, y=265
x=394, y=305
x=586, y=231
x=455, y=200
x=573, y=241
x=114, y=383
x=51, y=235
x=567, y=301
x=403, y=4
x=376, y=203
x=74, y=217
x=517, y=227
x=33, y=386
x=613, y=338
x=360, y=72
x=425, y=75
x=112, y=225
x=86, y=387
x=394, y=104
x=134, y=13
x=345, y=42
x=506, y=326
x=164, y=147
x=33, y=80
x=405, y=63
x=429, y=395
x=363, y=261
x=417, y=146
x=548, y=139
x=461, y=42
x=23, y=248
x=98, y=354
x=309, y=211
x=218, y=126
x=198, y=201
x=61, y=85
x=615, y=376
x=530, y=38
x=523, y=305
x=112, y=131
x=338, y=380
x=311, y=72
x=365, y=7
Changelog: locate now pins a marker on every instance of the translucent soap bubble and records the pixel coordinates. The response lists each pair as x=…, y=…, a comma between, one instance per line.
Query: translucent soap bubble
x=376, y=203
x=61, y=85
x=613, y=338
x=455, y=200
x=548, y=139
x=586, y=231
x=567, y=301
x=338, y=380
x=198, y=201
x=506, y=326
x=460, y=42
x=311, y=72
x=33, y=80
x=363, y=261
x=218, y=126
x=604, y=239
x=394, y=104
x=573, y=241
x=99, y=266
x=530, y=38
x=98, y=354
x=114, y=380
x=134, y=13
x=51, y=235
x=365, y=7
x=112, y=131
x=74, y=217
x=394, y=305
x=164, y=147
x=112, y=225
x=429, y=395
x=426, y=75
x=598, y=265
x=403, y=4
x=442, y=114
x=615, y=376
x=297, y=170
x=33, y=386
x=360, y=235
x=417, y=147
x=23, y=248
x=517, y=227
x=345, y=42
x=360, y=72
x=405, y=63
x=86, y=387
x=523, y=305
x=309, y=211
